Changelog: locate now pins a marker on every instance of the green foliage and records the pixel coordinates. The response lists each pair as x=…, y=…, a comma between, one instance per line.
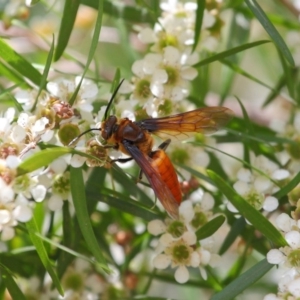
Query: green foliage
x=112, y=205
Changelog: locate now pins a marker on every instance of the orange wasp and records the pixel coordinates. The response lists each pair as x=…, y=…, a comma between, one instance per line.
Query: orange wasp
x=135, y=140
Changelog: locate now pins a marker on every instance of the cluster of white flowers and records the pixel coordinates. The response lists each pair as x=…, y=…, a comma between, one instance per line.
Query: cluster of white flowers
x=45, y=118
x=288, y=259
x=80, y=281
x=178, y=246
x=162, y=76
x=257, y=187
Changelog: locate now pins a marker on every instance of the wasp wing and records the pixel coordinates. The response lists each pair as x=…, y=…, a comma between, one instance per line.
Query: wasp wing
x=204, y=120
x=161, y=190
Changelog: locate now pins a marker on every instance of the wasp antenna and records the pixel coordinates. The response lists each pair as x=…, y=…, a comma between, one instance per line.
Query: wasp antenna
x=81, y=134
x=112, y=98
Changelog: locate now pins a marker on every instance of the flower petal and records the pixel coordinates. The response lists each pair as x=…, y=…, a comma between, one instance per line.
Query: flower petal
x=182, y=274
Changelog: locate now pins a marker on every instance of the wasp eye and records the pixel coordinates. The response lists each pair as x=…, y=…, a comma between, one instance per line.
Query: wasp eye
x=108, y=127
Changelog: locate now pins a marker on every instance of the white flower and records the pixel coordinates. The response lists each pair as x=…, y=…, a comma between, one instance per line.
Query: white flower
x=11, y=211
x=271, y=297
x=255, y=188
x=275, y=256
x=77, y=161
x=64, y=89
x=156, y=227
x=39, y=193
x=270, y=203
x=182, y=274
x=284, y=222
x=294, y=287
x=293, y=239
x=55, y=203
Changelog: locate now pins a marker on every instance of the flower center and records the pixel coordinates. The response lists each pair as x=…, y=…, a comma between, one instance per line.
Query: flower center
x=255, y=199
x=181, y=252
x=74, y=282
x=61, y=184
x=294, y=258
x=143, y=89
x=167, y=40
x=172, y=75
x=176, y=229
x=199, y=219
x=180, y=156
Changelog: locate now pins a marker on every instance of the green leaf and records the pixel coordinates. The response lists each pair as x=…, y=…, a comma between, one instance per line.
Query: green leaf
x=289, y=187
x=13, y=76
x=195, y=172
x=234, y=232
x=198, y=22
x=41, y=159
x=66, y=26
x=240, y=71
x=11, y=285
x=289, y=75
x=210, y=227
x=83, y=217
x=243, y=281
x=10, y=96
x=130, y=185
x=20, y=64
x=229, y=52
x=250, y=130
x=248, y=211
x=125, y=204
x=239, y=34
x=41, y=250
x=120, y=10
x=45, y=74
x=271, y=30
x=276, y=90
x=93, y=48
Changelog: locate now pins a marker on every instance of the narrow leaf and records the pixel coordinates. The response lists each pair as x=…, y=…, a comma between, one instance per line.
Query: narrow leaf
x=198, y=22
x=41, y=159
x=248, y=211
x=11, y=75
x=93, y=47
x=243, y=281
x=41, y=250
x=45, y=74
x=289, y=187
x=120, y=10
x=83, y=217
x=271, y=30
x=234, y=232
x=249, y=130
x=210, y=227
x=195, y=172
x=240, y=71
x=66, y=26
x=127, y=205
x=20, y=64
x=229, y=52
x=11, y=285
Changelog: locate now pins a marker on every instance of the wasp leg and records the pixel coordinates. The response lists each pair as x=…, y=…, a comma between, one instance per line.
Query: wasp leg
x=121, y=160
x=163, y=146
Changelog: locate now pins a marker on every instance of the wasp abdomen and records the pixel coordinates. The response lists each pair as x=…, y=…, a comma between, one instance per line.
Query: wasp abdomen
x=162, y=164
